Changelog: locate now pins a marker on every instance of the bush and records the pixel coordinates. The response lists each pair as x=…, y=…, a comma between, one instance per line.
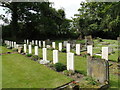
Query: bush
x=64, y=50
x=91, y=80
x=29, y=55
x=35, y=57
x=59, y=67
x=68, y=72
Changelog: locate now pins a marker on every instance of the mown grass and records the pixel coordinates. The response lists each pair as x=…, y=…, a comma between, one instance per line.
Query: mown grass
x=21, y=72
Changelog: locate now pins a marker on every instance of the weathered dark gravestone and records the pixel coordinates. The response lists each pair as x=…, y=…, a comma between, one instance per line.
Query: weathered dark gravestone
x=118, y=38
x=89, y=40
x=98, y=69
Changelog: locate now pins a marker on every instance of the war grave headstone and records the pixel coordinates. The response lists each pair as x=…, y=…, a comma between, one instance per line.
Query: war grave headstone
x=60, y=46
x=105, y=53
x=55, y=56
x=90, y=50
x=78, y=49
x=36, y=50
x=70, y=61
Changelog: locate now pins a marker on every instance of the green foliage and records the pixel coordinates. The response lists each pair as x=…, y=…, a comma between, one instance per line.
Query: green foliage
x=68, y=72
x=91, y=80
x=15, y=50
x=28, y=55
x=64, y=50
x=35, y=57
x=60, y=67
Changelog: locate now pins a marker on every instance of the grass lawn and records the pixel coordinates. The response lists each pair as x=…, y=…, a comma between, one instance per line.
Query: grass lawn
x=4, y=49
x=21, y=72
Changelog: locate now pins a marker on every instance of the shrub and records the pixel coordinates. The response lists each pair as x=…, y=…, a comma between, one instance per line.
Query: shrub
x=91, y=80
x=68, y=72
x=29, y=55
x=59, y=67
x=64, y=50
x=35, y=57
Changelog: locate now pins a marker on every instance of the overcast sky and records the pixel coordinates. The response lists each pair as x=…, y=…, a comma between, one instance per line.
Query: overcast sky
x=70, y=7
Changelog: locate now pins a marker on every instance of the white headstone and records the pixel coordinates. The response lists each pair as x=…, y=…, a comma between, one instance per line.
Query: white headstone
x=24, y=41
x=30, y=49
x=14, y=44
x=105, y=53
x=36, y=50
x=44, y=53
x=39, y=43
x=60, y=46
x=32, y=42
x=53, y=45
x=70, y=61
x=27, y=41
x=68, y=47
x=78, y=49
x=43, y=44
x=90, y=50
x=36, y=42
x=25, y=48
x=55, y=56
x=65, y=43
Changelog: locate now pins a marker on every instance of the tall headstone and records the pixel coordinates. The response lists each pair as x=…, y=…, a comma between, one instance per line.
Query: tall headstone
x=70, y=61
x=36, y=42
x=27, y=41
x=14, y=44
x=32, y=42
x=44, y=53
x=68, y=47
x=78, y=49
x=90, y=50
x=39, y=43
x=53, y=45
x=55, y=56
x=43, y=44
x=65, y=43
x=36, y=50
x=105, y=53
x=60, y=46
x=30, y=49
x=25, y=48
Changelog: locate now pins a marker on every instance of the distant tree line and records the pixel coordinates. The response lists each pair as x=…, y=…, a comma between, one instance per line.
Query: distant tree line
x=39, y=20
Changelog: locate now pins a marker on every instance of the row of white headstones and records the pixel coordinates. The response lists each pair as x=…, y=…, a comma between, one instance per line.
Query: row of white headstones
x=70, y=56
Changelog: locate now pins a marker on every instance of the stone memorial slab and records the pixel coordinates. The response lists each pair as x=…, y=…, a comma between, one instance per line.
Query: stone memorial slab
x=27, y=41
x=60, y=46
x=90, y=50
x=78, y=49
x=68, y=47
x=36, y=50
x=105, y=53
x=25, y=48
x=40, y=44
x=53, y=45
x=36, y=42
x=32, y=42
x=30, y=49
x=65, y=43
x=70, y=61
x=43, y=44
x=55, y=56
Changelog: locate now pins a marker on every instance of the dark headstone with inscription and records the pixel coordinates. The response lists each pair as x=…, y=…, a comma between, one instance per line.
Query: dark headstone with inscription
x=98, y=69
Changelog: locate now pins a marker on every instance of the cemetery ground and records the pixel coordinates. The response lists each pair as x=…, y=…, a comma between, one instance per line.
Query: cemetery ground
x=21, y=72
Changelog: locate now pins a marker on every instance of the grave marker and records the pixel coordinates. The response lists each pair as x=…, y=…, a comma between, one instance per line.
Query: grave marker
x=70, y=61
x=90, y=50
x=68, y=47
x=30, y=49
x=43, y=44
x=60, y=46
x=36, y=50
x=25, y=48
x=53, y=45
x=39, y=43
x=105, y=53
x=55, y=56
x=44, y=53
x=78, y=49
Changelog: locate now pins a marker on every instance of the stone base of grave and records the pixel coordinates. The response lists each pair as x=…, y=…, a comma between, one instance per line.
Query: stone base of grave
x=44, y=62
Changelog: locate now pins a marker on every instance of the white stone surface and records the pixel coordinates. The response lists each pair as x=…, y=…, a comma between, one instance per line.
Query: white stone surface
x=39, y=43
x=105, y=53
x=36, y=50
x=55, y=56
x=44, y=53
x=65, y=43
x=36, y=42
x=14, y=44
x=60, y=46
x=90, y=49
x=78, y=49
x=70, y=61
x=43, y=44
x=53, y=45
x=27, y=41
x=30, y=49
x=32, y=42
x=68, y=47
x=25, y=48
x=24, y=41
